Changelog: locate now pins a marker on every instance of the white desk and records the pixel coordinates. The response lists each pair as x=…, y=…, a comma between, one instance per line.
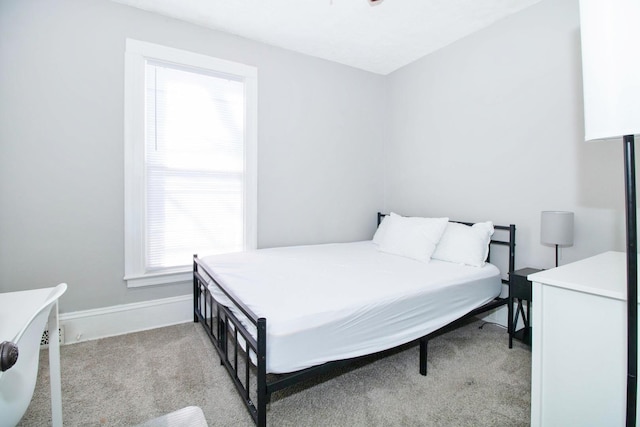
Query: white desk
x=579, y=343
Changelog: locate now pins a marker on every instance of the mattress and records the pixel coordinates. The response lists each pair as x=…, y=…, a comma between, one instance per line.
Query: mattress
x=338, y=301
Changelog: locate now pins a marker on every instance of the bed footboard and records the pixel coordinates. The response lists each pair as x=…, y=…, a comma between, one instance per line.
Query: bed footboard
x=243, y=356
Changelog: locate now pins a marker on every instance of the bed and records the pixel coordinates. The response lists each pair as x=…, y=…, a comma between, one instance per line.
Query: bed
x=333, y=304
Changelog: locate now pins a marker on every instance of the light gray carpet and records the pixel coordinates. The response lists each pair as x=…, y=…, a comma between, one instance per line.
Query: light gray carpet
x=474, y=380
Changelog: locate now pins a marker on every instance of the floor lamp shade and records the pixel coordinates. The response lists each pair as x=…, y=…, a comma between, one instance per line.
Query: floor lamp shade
x=610, y=32
x=556, y=228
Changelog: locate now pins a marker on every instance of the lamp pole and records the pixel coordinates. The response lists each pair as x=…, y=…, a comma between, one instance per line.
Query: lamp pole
x=632, y=279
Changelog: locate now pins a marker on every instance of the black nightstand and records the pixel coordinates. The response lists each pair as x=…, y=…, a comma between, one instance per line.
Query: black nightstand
x=520, y=289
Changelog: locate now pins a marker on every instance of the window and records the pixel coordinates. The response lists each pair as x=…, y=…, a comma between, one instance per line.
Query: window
x=190, y=160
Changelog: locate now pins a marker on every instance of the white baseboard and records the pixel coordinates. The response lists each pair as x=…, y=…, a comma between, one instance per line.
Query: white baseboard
x=499, y=316
x=123, y=319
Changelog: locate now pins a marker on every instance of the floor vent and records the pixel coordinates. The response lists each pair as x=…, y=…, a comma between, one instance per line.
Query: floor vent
x=44, y=341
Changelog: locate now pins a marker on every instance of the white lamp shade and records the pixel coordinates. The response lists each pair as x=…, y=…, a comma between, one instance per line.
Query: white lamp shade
x=556, y=228
x=610, y=33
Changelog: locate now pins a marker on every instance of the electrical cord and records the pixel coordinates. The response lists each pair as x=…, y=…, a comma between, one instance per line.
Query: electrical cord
x=491, y=323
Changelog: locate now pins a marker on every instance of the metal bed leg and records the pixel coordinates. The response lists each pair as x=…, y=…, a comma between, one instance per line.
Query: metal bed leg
x=510, y=324
x=263, y=397
x=195, y=305
x=196, y=294
x=424, y=341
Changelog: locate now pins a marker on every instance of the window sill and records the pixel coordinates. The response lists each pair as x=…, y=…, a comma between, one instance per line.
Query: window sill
x=152, y=279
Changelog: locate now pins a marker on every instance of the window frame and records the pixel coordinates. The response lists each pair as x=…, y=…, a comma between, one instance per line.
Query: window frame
x=136, y=53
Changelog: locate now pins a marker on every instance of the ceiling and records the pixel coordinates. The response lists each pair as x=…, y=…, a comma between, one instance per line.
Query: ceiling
x=379, y=38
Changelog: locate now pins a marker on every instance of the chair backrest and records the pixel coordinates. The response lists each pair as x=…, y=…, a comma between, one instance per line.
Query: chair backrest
x=18, y=382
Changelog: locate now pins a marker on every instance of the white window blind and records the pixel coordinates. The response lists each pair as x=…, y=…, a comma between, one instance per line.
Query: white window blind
x=194, y=164
x=190, y=160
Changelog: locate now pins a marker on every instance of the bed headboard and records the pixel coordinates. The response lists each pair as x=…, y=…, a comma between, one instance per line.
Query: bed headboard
x=506, y=236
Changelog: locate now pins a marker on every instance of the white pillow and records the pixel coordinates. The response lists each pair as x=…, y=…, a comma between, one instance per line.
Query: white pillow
x=380, y=232
x=465, y=244
x=413, y=237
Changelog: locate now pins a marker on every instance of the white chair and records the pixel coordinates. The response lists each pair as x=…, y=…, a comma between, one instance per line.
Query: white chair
x=23, y=316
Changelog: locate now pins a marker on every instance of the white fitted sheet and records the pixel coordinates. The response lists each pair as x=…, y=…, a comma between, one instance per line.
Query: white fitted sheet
x=337, y=301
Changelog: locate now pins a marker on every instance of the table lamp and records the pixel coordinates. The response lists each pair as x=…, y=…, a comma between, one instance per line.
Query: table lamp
x=611, y=85
x=556, y=228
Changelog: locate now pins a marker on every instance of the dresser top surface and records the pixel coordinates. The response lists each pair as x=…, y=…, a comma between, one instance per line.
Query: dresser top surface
x=604, y=274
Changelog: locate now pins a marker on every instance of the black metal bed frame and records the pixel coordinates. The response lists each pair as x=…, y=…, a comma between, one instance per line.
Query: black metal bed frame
x=233, y=341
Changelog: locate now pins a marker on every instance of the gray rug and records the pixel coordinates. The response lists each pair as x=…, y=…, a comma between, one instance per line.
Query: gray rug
x=474, y=380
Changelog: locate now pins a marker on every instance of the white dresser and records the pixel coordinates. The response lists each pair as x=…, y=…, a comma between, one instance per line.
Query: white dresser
x=579, y=343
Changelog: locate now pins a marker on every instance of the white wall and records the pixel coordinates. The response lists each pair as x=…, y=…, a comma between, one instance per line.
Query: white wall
x=61, y=145
x=491, y=127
